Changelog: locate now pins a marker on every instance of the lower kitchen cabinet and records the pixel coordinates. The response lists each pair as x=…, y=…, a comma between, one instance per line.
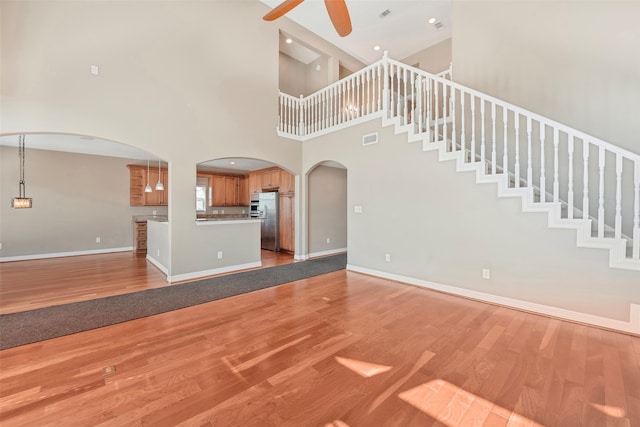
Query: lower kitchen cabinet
x=140, y=237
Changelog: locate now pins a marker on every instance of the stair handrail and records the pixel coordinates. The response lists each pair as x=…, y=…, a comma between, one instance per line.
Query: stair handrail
x=527, y=113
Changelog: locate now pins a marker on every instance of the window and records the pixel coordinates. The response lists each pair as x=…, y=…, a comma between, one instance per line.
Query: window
x=201, y=198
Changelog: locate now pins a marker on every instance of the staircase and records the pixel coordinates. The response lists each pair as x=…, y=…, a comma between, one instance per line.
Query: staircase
x=580, y=181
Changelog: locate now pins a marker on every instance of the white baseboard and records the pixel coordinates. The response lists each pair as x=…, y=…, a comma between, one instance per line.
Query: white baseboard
x=64, y=254
x=160, y=267
x=326, y=253
x=632, y=326
x=212, y=272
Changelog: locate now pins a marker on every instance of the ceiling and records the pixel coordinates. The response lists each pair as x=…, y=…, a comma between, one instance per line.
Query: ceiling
x=404, y=30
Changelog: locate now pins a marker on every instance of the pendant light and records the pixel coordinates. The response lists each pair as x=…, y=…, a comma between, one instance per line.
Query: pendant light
x=159, y=184
x=21, y=202
x=148, y=188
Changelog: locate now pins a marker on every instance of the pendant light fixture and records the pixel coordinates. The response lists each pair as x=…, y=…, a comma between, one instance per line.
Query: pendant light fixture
x=148, y=188
x=159, y=184
x=21, y=202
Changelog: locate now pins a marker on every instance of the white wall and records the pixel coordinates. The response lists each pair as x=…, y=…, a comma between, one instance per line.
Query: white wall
x=575, y=62
x=440, y=226
x=434, y=59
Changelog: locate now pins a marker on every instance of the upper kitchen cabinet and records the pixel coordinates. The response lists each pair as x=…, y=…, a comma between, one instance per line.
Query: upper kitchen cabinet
x=227, y=190
x=138, y=180
x=271, y=179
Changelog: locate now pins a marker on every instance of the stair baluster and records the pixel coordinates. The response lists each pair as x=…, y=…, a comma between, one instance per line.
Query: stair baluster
x=601, y=164
x=505, y=138
x=618, y=218
x=556, y=173
x=570, y=175
x=493, y=138
x=516, y=121
x=585, y=179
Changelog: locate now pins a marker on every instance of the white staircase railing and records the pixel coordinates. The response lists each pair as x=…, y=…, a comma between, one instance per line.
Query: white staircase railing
x=583, y=182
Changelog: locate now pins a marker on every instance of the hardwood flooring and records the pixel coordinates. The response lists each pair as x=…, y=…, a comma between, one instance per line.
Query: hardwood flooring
x=55, y=281
x=342, y=349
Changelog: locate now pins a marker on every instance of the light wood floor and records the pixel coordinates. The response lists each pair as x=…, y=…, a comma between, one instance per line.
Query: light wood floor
x=56, y=281
x=342, y=349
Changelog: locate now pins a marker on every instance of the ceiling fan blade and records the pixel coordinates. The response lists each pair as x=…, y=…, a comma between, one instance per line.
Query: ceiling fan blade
x=281, y=9
x=339, y=15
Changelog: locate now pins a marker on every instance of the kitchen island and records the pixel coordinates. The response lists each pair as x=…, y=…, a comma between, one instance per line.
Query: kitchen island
x=217, y=245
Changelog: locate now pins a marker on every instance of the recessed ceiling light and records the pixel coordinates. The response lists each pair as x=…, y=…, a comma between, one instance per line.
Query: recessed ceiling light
x=376, y=47
x=432, y=21
x=289, y=41
x=232, y=162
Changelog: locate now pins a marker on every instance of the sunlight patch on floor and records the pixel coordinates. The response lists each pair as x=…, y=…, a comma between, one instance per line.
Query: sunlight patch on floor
x=364, y=369
x=452, y=405
x=611, y=411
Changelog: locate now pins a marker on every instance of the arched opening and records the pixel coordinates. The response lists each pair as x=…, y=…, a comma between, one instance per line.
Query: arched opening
x=84, y=205
x=239, y=188
x=327, y=209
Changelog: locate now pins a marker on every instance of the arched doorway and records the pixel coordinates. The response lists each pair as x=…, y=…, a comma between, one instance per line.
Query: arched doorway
x=327, y=209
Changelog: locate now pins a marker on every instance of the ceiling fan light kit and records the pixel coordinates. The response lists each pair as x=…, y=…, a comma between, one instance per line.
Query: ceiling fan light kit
x=337, y=10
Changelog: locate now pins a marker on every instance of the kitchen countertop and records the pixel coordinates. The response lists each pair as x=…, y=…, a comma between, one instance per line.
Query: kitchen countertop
x=224, y=221
x=145, y=218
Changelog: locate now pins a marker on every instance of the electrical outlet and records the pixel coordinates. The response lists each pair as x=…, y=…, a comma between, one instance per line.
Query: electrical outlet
x=219, y=254
x=98, y=239
x=387, y=257
x=328, y=239
x=357, y=209
x=222, y=212
x=486, y=273
x=215, y=212
x=155, y=212
x=158, y=252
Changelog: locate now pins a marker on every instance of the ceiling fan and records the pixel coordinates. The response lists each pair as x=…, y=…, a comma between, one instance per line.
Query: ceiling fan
x=337, y=10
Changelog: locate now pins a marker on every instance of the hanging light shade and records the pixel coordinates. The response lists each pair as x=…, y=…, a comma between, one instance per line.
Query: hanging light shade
x=159, y=184
x=148, y=188
x=21, y=202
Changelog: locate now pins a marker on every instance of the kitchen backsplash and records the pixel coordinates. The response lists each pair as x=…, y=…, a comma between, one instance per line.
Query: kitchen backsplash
x=227, y=210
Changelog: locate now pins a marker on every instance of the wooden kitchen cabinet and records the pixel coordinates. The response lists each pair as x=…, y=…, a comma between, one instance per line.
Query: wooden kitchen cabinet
x=226, y=190
x=287, y=183
x=271, y=179
x=140, y=237
x=218, y=190
x=231, y=191
x=287, y=222
x=138, y=181
x=243, y=191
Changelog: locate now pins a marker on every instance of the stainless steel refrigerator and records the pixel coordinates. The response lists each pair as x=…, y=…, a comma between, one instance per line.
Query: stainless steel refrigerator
x=268, y=207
